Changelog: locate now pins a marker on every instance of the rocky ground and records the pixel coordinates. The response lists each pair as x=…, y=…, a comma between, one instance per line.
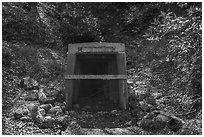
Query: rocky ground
x=40, y=109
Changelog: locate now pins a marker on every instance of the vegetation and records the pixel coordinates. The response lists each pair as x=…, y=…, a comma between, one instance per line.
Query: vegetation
x=163, y=46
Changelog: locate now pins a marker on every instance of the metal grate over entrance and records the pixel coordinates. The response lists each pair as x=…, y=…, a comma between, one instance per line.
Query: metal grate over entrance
x=96, y=72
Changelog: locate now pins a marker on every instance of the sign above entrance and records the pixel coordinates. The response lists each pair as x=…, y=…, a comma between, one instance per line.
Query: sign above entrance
x=96, y=49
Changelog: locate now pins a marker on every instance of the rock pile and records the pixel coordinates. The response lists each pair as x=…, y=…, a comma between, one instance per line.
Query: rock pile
x=141, y=104
x=144, y=109
x=49, y=111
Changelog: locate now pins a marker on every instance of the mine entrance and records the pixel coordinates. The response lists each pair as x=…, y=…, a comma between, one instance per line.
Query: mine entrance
x=96, y=93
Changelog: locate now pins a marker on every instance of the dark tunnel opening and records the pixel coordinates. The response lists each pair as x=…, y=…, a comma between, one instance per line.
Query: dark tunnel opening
x=96, y=93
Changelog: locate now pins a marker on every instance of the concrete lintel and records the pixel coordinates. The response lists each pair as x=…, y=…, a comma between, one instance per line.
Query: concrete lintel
x=104, y=77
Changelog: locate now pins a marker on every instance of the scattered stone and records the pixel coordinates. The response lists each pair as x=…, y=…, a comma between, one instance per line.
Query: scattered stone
x=151, y=115
x=62, y=105
x=46, y=107
x=151, y=100
x=25, y=119
x=31, y=95
x=143, y=95
x=129, y=123
x=42, y=112
x=25, y=112
x=29, y=84
x=114, y=111
x=41, y=96
x=33, y=110
x=58, y=104
x=63, y=120
x=49, y=100
x=48, y=122
x=140, y=115
x=18, y=113
x=73, y=113
x=55, y=110
x=52, y=115
x=129, y=81
x=52, y=93
x=144, y=106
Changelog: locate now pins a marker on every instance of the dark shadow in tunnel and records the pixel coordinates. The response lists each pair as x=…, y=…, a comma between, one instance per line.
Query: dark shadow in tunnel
x=98, y=94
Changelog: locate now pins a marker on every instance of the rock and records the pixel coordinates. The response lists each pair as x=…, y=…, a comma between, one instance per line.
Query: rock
x=175, y=124
x=25, y=119
x=151, y=100
x=129, y=123
x=46, y=107
x=151, y=108
x=149, y=124
x=52, y=115
x=29, y=84
x=63, y=120
x=42, y=112
x=52, y=93
x=18, y=113
x=48, y=122
x=146, y=124
x=162, y=118
x=39, y=120
x=31, y=95
x=140, y=115
x=55, y=110
x=129, y=81
x=114, y=111
x=41, y=96
x=58, y=104
x=151, y=115
x=73, y=113
x=76, y=106
x=144, y=106
x=49, y=100
x=33, y=110
x=62, y=105
x=143, y=95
